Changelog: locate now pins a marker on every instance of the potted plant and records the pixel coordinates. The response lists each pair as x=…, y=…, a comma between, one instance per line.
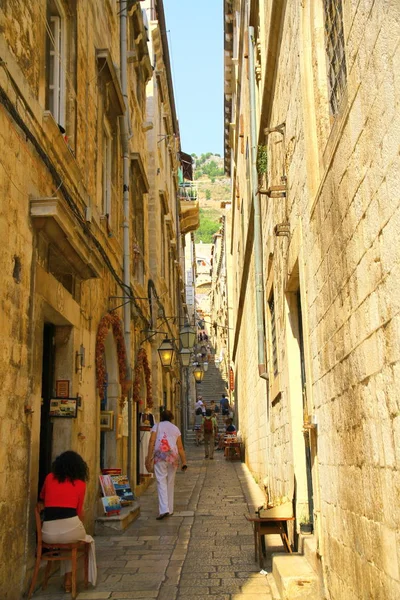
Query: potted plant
x=306, y=527
x=262, y=164
x=306, y=524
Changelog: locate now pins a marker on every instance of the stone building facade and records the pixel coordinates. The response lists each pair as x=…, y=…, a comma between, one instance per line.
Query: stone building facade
x=312, y=146
x=88, y=206
x=219, y=316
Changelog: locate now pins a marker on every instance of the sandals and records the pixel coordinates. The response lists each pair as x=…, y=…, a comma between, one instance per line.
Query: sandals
x=160, y=517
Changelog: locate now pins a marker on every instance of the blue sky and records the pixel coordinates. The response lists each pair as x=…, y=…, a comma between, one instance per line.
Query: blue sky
x=195, y=37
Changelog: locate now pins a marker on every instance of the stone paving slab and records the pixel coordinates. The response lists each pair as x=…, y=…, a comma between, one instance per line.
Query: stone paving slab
x=205, y=550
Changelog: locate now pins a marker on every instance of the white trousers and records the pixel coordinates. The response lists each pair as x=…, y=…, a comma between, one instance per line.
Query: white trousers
x=165, y=477
x=68, y=531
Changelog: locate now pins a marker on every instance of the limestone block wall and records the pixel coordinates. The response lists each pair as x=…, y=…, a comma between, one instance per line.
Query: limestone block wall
x=30, y=294
x=15, y=361
x=342, y=257
x=354, y=321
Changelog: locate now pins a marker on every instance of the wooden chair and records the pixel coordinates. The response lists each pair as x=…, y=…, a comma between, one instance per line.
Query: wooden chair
x=54, y=552
x=232, y=447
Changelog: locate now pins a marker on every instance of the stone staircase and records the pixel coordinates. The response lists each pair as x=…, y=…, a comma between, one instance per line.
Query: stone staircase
x=211, y=388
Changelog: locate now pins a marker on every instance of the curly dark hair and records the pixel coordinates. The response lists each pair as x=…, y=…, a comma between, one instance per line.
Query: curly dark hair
x=166, y=415
x=70, y=466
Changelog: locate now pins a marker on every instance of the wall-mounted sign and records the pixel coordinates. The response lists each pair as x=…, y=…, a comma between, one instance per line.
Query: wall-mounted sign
x=63, y=407
x=62, y=388
x=231, y=380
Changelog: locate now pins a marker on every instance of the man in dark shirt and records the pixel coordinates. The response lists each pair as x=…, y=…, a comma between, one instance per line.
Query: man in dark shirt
x=225, y=406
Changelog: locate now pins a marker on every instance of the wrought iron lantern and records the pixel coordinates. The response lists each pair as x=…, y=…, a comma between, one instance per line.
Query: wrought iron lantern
x=166, y=352
x=187, y=336
x=198, y=374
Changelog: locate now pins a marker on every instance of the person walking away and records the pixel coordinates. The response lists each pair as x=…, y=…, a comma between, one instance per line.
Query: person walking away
x=166, y=447
x=198, y=421
x=63, y=496
x=212, y=408
x=225, y=406
x=210, y=429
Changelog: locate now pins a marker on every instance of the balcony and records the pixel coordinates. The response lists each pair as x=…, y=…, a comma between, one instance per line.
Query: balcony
x=189, y=207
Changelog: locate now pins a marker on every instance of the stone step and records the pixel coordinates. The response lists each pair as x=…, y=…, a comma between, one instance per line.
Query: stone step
x=308, y=547
x=117, y=524
x=294, y=577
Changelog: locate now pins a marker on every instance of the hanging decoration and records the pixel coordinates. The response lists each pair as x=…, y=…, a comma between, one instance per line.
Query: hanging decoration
x=111, y=320
x=142, y=364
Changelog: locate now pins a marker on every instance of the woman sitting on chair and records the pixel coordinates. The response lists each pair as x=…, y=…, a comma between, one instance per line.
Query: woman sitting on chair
x=63, y=495
x=230, y=430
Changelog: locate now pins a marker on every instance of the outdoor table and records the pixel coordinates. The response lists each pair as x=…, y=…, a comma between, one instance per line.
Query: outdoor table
x=264, y=526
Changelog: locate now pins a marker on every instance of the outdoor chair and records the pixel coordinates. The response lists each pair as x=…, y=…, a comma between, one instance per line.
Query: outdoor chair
x=232, y=447
x=58, y=552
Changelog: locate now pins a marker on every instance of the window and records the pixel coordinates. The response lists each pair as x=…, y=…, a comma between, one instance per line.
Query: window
x=107, y=170
x=55, y=61
x=274, y=347
x=163, y=265
x=138, y=224
x=334, y=45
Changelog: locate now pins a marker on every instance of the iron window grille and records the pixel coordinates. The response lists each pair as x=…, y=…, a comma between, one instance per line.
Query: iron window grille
x=335, y=50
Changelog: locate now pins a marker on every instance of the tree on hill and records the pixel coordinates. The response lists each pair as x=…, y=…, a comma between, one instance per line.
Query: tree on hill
x=209, y=225
x=204, y=166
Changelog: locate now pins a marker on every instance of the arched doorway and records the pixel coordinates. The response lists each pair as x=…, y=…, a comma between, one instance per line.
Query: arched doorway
x=143, y=399
x=112, y=385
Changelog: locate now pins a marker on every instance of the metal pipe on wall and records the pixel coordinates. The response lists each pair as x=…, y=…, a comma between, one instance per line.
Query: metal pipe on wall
x=258, y=257
x=126, y=222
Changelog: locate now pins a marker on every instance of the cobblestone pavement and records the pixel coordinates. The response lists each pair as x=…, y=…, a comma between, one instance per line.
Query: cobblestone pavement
x=205, y=549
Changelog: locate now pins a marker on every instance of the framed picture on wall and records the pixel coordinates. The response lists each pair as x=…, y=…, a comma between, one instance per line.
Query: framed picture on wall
x=63, y=407
x=106, y=420
x=62, y=388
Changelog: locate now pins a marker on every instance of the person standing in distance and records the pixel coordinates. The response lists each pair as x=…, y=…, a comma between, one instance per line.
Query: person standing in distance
x=210, y=429
x=166, y=446
x=225, y=406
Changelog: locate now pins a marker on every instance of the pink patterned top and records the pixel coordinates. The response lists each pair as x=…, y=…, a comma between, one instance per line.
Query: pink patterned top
x=165, y=447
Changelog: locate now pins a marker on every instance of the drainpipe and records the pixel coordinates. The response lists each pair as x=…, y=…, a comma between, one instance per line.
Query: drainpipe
x=125, y=227
x=258, y=257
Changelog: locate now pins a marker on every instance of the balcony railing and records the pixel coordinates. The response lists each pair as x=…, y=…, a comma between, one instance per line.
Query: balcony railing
x=188, y=191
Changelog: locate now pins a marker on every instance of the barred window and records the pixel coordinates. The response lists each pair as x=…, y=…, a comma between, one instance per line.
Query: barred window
x=274, y=348
x=334, y=44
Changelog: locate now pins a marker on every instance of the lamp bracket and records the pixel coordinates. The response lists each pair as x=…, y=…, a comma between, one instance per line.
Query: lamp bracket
x=152, y=333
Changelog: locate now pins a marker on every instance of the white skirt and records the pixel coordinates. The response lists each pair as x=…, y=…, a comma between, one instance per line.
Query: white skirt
x=68, y=531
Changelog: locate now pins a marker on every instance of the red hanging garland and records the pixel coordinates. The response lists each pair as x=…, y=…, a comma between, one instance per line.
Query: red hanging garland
x=142, y=363
x=111, y=320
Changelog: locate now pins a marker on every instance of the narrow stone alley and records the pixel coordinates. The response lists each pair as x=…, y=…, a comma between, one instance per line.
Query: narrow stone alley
x=204, y=549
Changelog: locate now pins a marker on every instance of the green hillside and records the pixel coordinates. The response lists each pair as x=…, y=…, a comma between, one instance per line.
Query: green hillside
x=214, y=188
